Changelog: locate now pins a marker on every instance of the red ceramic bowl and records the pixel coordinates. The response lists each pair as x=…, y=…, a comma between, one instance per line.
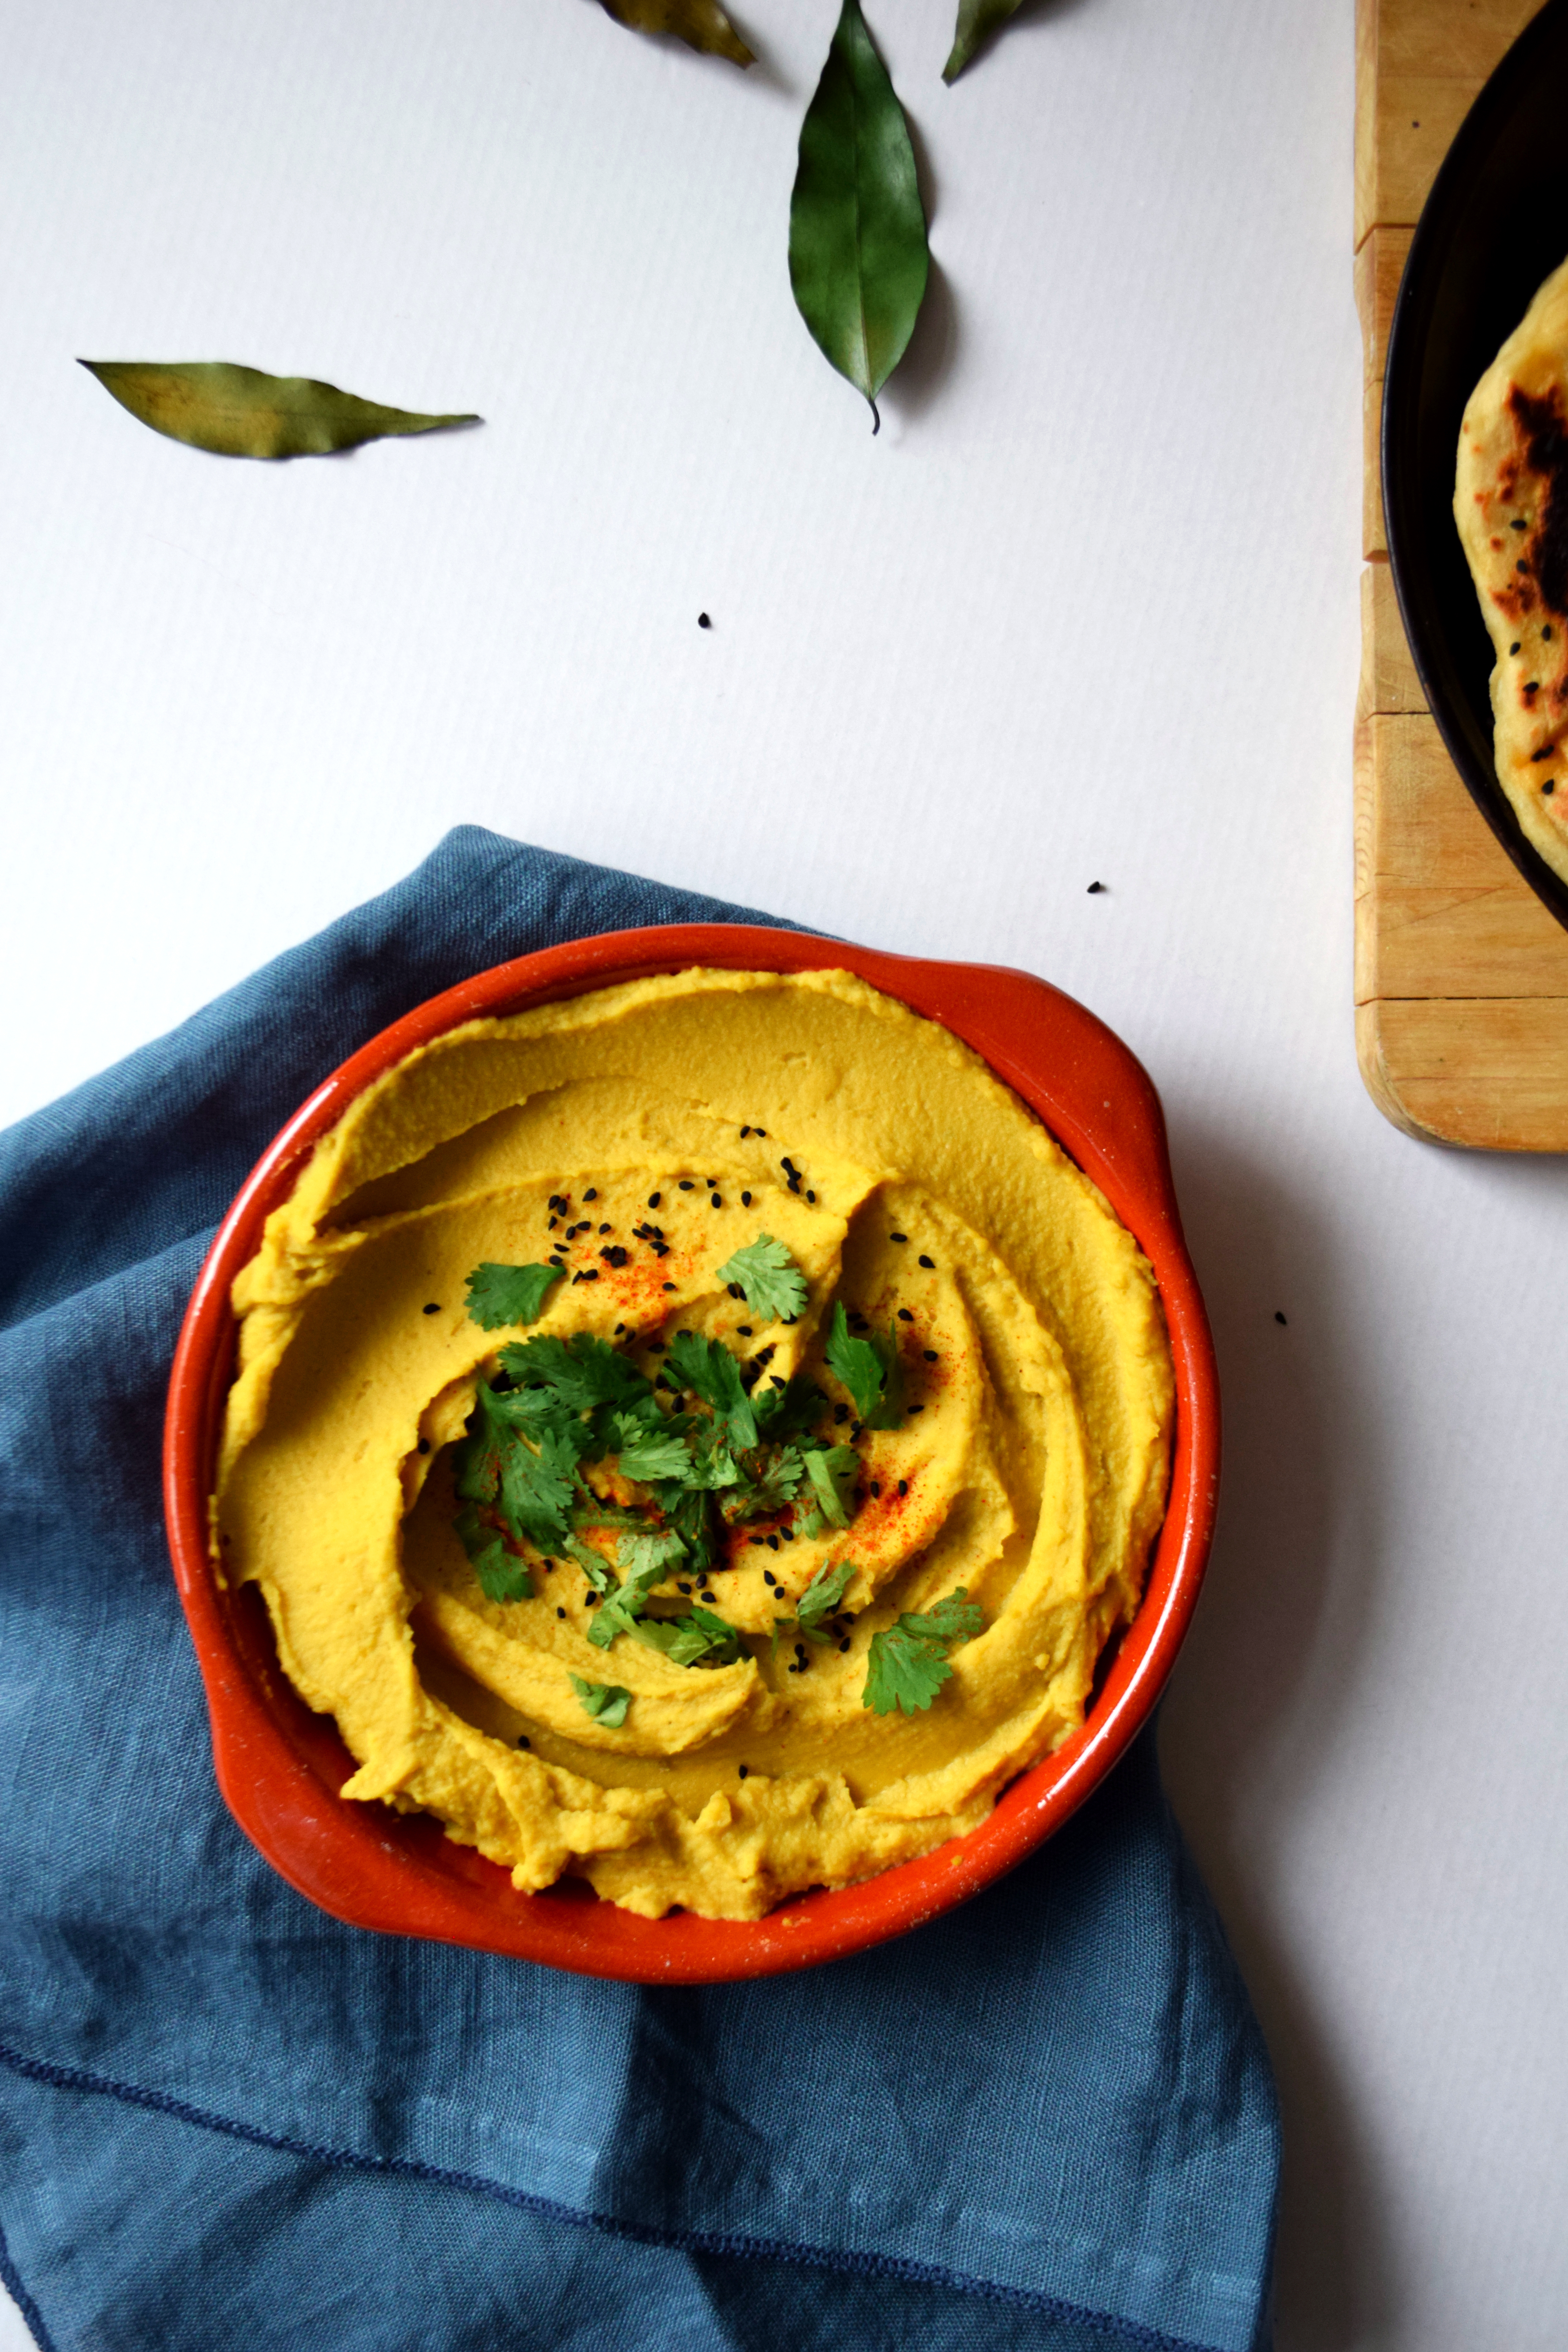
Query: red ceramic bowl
x=280, y=1767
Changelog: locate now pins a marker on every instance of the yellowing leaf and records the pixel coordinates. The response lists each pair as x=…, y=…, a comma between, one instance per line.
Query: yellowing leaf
x=977, y=20
x=858, y=255
x=700, y=23
x=237, y=411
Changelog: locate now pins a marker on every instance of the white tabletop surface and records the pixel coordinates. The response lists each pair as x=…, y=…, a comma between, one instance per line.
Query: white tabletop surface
x=1086, y=610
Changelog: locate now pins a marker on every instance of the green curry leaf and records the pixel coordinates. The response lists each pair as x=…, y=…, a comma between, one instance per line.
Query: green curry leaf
x=977, y=20
x=858, y=252
x=238, y=412
x=700, y=23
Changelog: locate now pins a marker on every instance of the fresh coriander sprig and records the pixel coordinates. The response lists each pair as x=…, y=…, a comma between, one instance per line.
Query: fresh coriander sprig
x=501, y=1297
x=773, y=1285
x=871, y=1370
x=907, y=1664
x=606, y=1702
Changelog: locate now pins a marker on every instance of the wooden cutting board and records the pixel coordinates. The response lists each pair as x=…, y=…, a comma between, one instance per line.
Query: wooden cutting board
x=1461, y=975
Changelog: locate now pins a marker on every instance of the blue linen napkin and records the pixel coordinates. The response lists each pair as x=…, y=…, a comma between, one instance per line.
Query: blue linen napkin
x=1046, y=2121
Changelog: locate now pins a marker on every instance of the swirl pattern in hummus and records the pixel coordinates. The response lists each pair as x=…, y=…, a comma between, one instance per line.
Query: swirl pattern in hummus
x=1031, y=1468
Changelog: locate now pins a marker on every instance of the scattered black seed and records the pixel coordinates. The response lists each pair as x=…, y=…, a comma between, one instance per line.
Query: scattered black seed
x=763, y=1358
x=759, y=1130
x=1521, y=565
x=703, y=621
x=522, y=1739
x=654, y=1199
x=1514, y=647
x=549, y=1228
x=714, y=1201
x=557, y=1260
x=788, y=1534
x=592, y=1193
x=666, y=1285
x=756, y=1540
x=434, y=1308
x=744, y=1132
x=1535, y=687
x=1278, y=1317
x=614, y=1254
x=742, y=1769
x=800, y=1649
x=589, y=1273
x=607, y=1229
x=683, y=1588
x=655, y=1347
x=929, y=1355
x=876, y=1485
x=734, y=1290
x=897, y=1237
x=424, y=1445
x=771, y=1542
x=845, y=1643
x=916, y=1408
x=745, y=1200
x=854, y=1432
x=840, y=1413
x=743, y=1330
x=903, y=1486
x=774, y=1380
x=687, y=1185
x=1519, y=526
x=904, y=1315
x=769, y=1578
x=812, y=1198
x=1546, y=632
x=618, y=1329
x=1094, y=889
x=1544, y=753
x=561, y=1612
x=558, y=1201
x=1549, y=786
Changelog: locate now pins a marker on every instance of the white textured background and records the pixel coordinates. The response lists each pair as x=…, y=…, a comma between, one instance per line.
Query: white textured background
x=1086, y=610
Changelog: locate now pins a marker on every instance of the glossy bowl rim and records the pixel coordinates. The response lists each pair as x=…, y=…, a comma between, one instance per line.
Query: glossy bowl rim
x=1094, y=1097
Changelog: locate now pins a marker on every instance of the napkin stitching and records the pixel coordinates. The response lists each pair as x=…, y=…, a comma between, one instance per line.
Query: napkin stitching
x=706, y=2242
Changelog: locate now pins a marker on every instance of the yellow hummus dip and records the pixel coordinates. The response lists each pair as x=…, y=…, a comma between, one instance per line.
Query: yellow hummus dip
x=888, y=1355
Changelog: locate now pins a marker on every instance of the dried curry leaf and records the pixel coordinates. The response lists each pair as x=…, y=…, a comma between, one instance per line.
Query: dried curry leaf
x=238, y=412
x=977, y=20
x=700, y=23
x=858, y=252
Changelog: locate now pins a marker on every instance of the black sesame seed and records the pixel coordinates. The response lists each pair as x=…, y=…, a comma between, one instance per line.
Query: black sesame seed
x=771, y=1542
x=743, y=1330
x=703, y=621
x=434, y=1308
x=775, y=1380
x=756, y=1540
x=655, y=1347
x=788, y=1534
x=666, y=1285
x=917, y=1408
x=897, y=1237
x=742, y=1769
x=745, y=1200
x=929, y=1355
x=654, y=1199
x=845, y=1643
x=1517, y=525
x=589, y=1273
x=1094, y=890
x=904, y=1315
x=1549, y=786
x=1514, y=647
x=607, y=1229
x=1521, y=565
x=561, y=1612
x=903, y=1486
x=1544, y=753
x=759, y=1130
x=714, y=1201
x=768, y=1577
x=687, y=1185
x=1278, y=1317
x=424, y=1445
x=1535, y=687
x=800, y=1649
x=876, y=1485
x=557, y=1261
x=683, y=1588
x=744, y=1132
x=1546, y=632
x=841, y=1413
x=812, y=1198
x=522, y=1739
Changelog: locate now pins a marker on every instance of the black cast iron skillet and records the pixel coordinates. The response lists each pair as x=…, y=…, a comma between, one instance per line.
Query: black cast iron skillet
x=1494, y=226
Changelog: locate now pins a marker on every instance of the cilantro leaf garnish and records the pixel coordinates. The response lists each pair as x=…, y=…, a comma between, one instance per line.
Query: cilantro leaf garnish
x=688, y=1514
x=591, y=1562
x=502, y=1576
x=503, y=1296
x=537, y=1488
x=712, y=1373
x=606, y=1702
x=581, y=1371
x=777, y=1483
x=647, y=1561
x=699, y=1639
x=789, y=1411
x=649, y=1454
x=871, y=1370
x=908, y=1663
x=832, y=1473
x=773, y=1284
x=822, y=1596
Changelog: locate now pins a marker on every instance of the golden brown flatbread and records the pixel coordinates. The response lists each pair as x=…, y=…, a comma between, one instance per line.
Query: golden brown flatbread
x=1510, y=502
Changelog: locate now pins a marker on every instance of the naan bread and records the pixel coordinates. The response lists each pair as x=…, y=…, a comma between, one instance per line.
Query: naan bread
x=1510, y=502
